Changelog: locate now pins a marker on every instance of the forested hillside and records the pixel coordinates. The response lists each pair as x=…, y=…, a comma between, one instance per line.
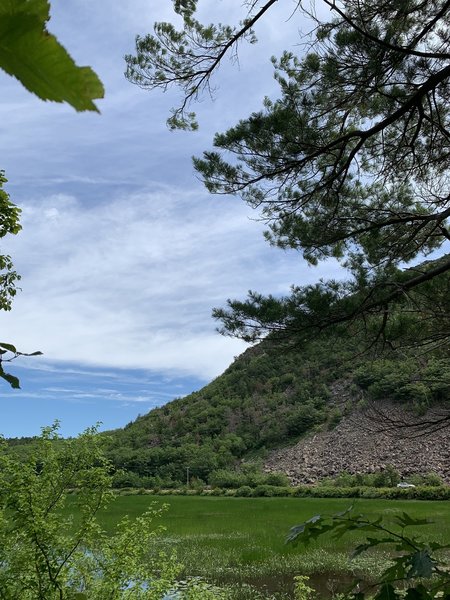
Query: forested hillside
x=269, y=398
x=294, y=409
x=282, y=392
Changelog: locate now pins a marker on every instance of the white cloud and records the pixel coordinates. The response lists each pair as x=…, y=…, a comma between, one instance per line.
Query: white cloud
x=130, y=283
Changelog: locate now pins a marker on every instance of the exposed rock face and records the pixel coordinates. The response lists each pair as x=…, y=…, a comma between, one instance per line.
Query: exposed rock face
x=367, y=441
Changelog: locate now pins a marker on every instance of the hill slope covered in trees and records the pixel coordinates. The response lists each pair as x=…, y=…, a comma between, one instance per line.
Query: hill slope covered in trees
x=269, y=399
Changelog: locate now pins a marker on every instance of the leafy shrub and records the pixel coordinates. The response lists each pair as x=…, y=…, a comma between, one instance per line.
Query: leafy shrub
x=430, y=479
x=246, y=491
x=225, y=478
x=263, y=490
x=411, y=565
x=373, y=492
x=334, y=418
x=344, y=479
x=165, y=492
x=405, y=381
x=302, y=589
x=46, y=555
x=126, y=479
x=387, y=477
x=302, y=491
x=417, y=493
x=432, y=493
x=277, y=479
x=250, y=475
x=131, y=492
x=335, y=492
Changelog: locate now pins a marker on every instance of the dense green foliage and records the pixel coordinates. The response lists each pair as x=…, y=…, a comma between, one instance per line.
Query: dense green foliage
x=219, y=434
x=258, y=401
x=414, y=563
x=9, y=224
x=51, y=543
x=323, y=490
x=388, y=477
x=45, y=556
x=265, y=400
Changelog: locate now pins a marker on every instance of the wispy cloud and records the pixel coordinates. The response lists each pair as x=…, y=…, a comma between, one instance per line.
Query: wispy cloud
x=130, y=283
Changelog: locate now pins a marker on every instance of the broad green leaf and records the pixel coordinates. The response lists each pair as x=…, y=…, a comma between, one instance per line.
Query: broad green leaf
x=36, y=58
x=11, y=379
x=419, y=593
x=9, y=347
x=406, y=520
x=304, y=528
x=421, y=564
x=386, y=592
x=397, y=571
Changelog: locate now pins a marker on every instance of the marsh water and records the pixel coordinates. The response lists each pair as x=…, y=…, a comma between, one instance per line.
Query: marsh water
x=326, y=585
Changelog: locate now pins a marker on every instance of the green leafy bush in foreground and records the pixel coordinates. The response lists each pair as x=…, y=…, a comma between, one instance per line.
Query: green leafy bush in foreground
x=414, y=573
x=45, y=556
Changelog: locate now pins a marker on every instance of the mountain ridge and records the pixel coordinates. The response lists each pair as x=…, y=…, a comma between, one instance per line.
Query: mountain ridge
x=269, y=398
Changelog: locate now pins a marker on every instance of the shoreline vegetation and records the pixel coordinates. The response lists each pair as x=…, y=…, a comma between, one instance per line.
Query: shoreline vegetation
x=251, y=482
x=430, y=493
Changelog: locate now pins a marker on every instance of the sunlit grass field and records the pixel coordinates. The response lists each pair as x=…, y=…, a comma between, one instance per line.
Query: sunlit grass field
x=242, y=540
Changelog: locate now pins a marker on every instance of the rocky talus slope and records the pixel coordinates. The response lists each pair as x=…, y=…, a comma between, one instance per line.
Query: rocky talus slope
x=368, y=440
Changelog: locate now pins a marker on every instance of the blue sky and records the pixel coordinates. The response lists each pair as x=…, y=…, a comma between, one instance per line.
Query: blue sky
x=123, y=253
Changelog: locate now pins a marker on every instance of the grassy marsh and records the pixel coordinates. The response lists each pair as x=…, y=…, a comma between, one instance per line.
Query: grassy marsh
x=240, y=541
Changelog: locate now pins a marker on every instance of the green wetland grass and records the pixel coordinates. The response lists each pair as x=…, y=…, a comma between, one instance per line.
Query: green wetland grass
x=241, y=541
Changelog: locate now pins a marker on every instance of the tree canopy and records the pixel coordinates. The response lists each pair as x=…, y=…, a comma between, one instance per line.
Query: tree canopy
x=351, y=161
